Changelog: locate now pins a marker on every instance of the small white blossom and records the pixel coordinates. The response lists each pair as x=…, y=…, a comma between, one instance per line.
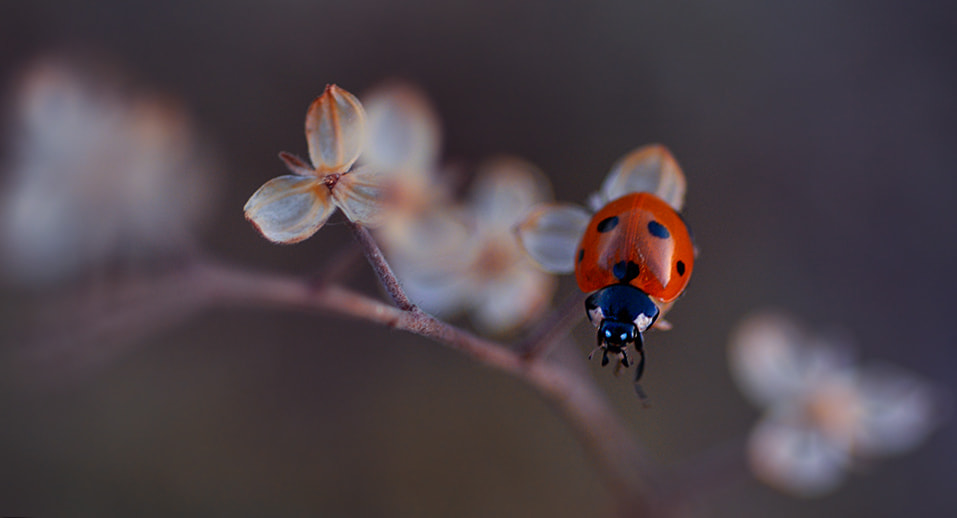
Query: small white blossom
x=823, y=413
x=453, y=257
x=456, y=258
x=290, y=208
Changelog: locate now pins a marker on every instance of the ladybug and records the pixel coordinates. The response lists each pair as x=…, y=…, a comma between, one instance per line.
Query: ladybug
x=637, y=252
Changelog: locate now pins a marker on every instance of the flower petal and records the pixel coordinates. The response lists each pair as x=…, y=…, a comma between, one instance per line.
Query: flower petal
x=772, y=359
x=511, y=300
x=335, y=129
x=796, y=459
x=289, y=208
x=296, y=165
x=403, y=130
x=896, y=411
x=504, y=190
x=363, y=195
x=550, y=235
x=439, y=294
x=649, y=168
x=431, y=255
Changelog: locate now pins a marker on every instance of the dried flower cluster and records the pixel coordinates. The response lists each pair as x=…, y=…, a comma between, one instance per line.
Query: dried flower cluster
x=450, y=256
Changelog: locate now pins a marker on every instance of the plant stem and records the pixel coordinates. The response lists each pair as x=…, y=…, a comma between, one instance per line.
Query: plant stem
x=624, y=467
x=381, y=267
x=630, y=478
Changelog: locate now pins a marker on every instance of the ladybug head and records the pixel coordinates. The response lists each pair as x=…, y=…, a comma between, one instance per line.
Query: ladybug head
x=617, y=335
x=622, y=304
x=621, y=312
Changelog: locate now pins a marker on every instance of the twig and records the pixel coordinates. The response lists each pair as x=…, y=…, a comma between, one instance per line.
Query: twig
x=626, y=470
x=629, y=476
x=382, y=269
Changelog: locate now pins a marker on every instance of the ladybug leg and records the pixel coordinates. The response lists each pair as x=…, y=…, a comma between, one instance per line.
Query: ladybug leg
x=625, y=360
x=604, y=357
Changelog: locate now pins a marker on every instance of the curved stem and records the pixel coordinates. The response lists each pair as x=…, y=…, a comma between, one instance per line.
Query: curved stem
x=627, y=473
x=625, y=468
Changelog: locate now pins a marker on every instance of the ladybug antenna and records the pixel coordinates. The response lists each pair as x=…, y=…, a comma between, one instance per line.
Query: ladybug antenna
x=640, y=369
x=645, y=401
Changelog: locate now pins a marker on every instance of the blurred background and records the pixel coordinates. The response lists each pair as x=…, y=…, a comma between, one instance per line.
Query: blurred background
x=819, y=144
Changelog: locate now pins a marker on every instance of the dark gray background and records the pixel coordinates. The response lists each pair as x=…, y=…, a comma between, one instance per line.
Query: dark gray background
x=818, y=140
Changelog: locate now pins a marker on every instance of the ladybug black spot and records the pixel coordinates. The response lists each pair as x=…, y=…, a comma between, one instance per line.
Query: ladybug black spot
x=658, y=230
x=581, y=255
x=625, y=271
x=681, y=267
x=607, y=224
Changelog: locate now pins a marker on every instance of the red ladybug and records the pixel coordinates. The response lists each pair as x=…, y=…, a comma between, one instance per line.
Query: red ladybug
x=636, y=251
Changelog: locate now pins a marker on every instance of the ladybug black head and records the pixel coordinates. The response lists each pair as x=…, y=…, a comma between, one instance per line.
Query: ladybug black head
x=617, y=335
x=623, y=303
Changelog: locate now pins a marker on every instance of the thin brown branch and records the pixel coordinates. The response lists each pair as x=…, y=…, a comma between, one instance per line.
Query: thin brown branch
x=625, y=468
x=627, y=473
x=381, y=267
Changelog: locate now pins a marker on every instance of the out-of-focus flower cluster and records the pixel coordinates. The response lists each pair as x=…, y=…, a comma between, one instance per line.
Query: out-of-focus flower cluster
x=824, y=414
x=94, y=173
x=452, y=256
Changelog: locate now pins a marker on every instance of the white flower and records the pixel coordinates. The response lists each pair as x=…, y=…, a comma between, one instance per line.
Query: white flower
x=465, y=258
x=453, y=257
x=404, y=137
x=290, y=208
x=824, y=414
x=96, y=173
x=404, y=142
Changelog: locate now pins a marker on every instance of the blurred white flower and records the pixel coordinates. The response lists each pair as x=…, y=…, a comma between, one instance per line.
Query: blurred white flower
x=290, y=208
x=466, y=258
x=453, y=257
x=824, y=413
x=404, y=139
x=95, y=173
x=404, y=142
